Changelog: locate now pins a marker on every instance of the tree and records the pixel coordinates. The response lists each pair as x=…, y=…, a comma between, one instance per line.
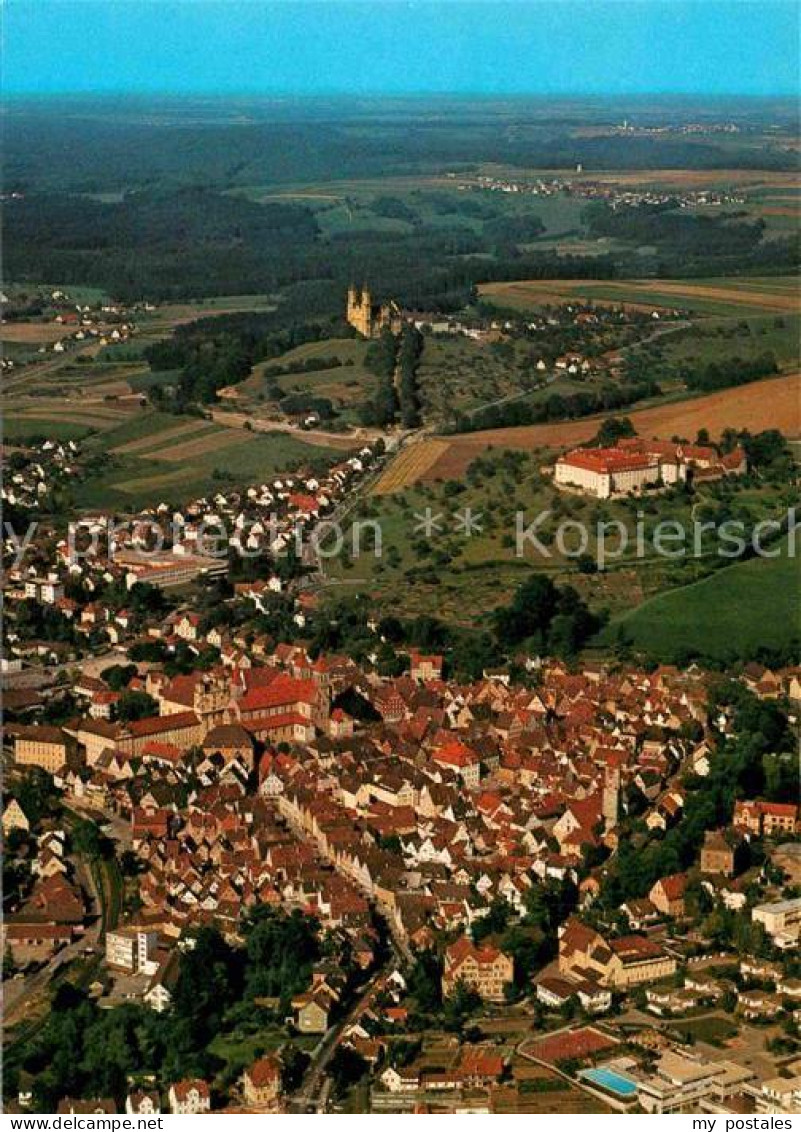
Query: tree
x=118, y=676
x=346, y=1068
x=425, y=982
x=294, y=1063
x=9, y=966
x=209, y=981
x=36, y=794
x=614, y=429
x=135, y=705
x=494, y=922
x=459, y=1006
x=89, y=841
x=280, y=951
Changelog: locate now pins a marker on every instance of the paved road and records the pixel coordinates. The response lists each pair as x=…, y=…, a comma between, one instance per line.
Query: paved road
x=17, y=991
x=313, y=1095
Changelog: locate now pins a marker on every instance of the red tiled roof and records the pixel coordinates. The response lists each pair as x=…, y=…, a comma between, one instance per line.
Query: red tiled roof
x=265, y=1071
x=280, y=691
x=154, y=725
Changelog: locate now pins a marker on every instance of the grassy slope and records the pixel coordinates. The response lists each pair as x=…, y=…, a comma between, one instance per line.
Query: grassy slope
x=20, y=430
x=735, y=610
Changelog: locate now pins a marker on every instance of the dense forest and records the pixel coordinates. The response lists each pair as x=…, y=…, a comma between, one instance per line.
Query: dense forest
x=191, y=243
x=174, y=202
x=687, y=244
x=94, y=146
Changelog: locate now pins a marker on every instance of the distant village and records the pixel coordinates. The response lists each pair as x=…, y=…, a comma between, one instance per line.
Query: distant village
x=602, y=190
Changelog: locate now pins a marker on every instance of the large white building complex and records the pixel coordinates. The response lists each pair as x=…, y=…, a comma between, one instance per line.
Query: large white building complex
x=634, y=465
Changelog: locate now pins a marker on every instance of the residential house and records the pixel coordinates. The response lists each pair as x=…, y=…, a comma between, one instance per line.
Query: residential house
x=189, y=1097
x=717, y=856
x=667, y=895
x=261, y=1082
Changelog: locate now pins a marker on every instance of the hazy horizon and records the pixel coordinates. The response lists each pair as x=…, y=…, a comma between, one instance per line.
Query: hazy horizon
x=394, y=48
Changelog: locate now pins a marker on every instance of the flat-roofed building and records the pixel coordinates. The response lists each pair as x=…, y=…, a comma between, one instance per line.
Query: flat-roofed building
x=781, y=920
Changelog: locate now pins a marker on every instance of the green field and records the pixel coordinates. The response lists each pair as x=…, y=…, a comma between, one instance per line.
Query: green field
x=20, y=430
x=732, y=612
x=715, y=1030
x=148, y=423
x=345, y=385
x=141, y=479
x=716, y=338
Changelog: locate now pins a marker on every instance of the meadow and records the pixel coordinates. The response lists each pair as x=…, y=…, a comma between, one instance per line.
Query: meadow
x=731, y=613
x=461, y=576
x=459, y=374
x=345, y=384
x=711, y=339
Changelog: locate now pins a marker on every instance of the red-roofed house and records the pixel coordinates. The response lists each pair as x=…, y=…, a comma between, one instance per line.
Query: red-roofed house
x=188, y=1097
x=456, y=756
x=261, y=1083
x=668, y=895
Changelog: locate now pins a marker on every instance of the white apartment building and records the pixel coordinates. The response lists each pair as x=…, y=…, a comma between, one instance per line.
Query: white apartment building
x=132, y=949
x=781, y=920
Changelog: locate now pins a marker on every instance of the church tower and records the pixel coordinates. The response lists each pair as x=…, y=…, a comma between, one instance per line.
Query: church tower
x=611, y=798
x=359, y=310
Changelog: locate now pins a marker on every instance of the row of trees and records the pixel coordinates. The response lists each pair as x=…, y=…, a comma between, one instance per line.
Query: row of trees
x=728, y=372
x=380, y=359
x=557, y=407
x=409, y=354
x=394, y=360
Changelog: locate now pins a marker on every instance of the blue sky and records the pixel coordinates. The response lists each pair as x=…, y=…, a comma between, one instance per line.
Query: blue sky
x=402, y=46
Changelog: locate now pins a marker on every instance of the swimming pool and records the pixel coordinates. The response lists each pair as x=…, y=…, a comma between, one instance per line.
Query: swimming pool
x=609, y=1079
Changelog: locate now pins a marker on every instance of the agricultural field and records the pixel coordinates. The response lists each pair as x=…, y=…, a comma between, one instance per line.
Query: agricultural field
x=22, y=430
x=731, y=613
x=725, y=296
x=93, y=389
x=156, y=457
x=772, y=403
x=411, y=465
x=37, y=416
x=32, y=333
